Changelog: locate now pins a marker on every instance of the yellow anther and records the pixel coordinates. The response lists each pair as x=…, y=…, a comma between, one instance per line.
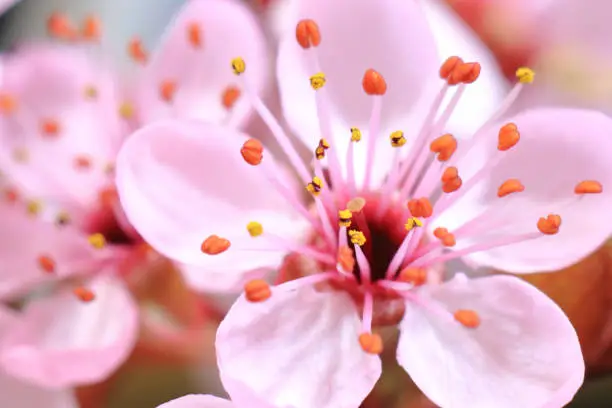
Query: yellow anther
x=344, y=218
x=357, y=237
x=355, y=134
x=317, y=81
x=319, y=152
x=324, y=144
x=97, y=240
x=413, y=222
x=62, y=218
x=255, y=228
x=397, y=138
x=126, y=110
x=525, y=75
x=315, y=186
x=91, y=92
x=34, y=207
x=238, y=66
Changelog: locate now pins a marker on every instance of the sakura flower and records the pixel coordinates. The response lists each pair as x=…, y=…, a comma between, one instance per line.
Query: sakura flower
x=367, y=250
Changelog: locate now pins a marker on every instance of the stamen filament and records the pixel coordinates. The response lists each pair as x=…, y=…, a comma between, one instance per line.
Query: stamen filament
x=374, y=129
x=308, y=281
x=300, y=249
x=399, y=256
x=364, y=266
x=368, y=312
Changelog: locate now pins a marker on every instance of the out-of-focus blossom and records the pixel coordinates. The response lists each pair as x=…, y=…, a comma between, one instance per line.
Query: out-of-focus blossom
x=210, y=196
x=6, y=4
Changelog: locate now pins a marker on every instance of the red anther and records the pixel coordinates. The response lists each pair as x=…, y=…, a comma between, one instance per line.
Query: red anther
x=346, y=259
x=50, y=127
x=510, y=186
x=440, y=232
x=307, y=34
x=420, y=207
x=449, y=240
x=450, y=173
x=214, y=245
x=549, y=225
x=588, y=187
x=416, y=276
x=59, y=26
x=46, y=263
x=92, y=29
x=8, y=104
x=83, y=294
x=508, y=137
x=108, y=197
x=468, y=318
x=257, y=290
x=230, y=96
x=82, y=162
x=449, y=66
x=136, y=51
x=444, y=146
x=11, y=195
x=252, y=152
x=469, y=72
x=371, y=343
x=167, y=90
x=374, y=83
x=452, y=185
x=194, y=34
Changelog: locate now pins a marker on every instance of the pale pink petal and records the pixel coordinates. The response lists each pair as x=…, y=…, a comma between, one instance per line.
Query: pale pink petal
x=309, y=343
x=558, y=149
x=203, y=279
x=6, y=4
x=524, y=352
x=180, y=182
x=28, y=243
x=196, y=57
x=198, y=401
x=61, y=341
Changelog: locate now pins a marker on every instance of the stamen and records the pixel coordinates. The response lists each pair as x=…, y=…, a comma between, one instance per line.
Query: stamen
x=252, y=152
x=230, y=96
x=525, y=75
x=451, y=181
x=34, y=207
x=444, y=146
x=50, y=127
x=346, y=260
x=167, y=90
x=126, y=110
x=449, y=66
x=401, y=253
x=397, y=139
x=62, y=218
x=307, y=34
x=84, y=294
x=82, y=162
x=91, y=92
x=257, y=290
x=415, y=276
x=413, y=222
x=588, y=187
x=11, y=194
x=97, y=240
x=365, y=273
x=315, y=186
x=371, y=343
x=8, y=103
x=446, y=238
x=60, y=27
x=467, y=318
x=214, y=245
x=21, y=155
x=92, y=29
x=46, y=263
x=238, y=65
x=317, y=81
x=508, y=137
x=255, y=228
x=350, y=160
x=510, y=186
x=374, y=85
x=137, y=52
x=549, y=225
x=344, y=218
x=420, y=207
x=194, y=34
x=356, y=204
x=357, y=237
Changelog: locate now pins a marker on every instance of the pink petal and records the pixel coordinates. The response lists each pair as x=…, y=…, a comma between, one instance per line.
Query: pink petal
x=558, y=149
x=198, y=401
x=513, y=359
x=25, y=240
x=49, y=85
x=6, y=4
x=389, y=36
x=180, y=182
x=203, y=279
x=299, y=348
x=201, y=70
x=61, y=342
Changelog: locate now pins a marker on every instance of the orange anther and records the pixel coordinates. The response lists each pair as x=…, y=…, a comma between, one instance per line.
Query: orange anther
x=8, y=104
x=307, y=34
x=588, y=187
x=230, y=96
x=257, y=290
x=510, y=186
x=468, y=318
x=440, y=232
x=108, y=197
x=420, y=207
x=50, y=127
x=59, y=26
x=449, y=240
x=450, y=173
x=549, y=225
x=374, y=83
x=346, y=259
x=83, y=294
x=194, y=34
x=469, y=72
x=92, y=28
x=82, y=162
x=449, y=66
x=416, y=276
x=136, y=51
x=214, y=245
x=371, y=343
x=452, y=185
x=167, y=90
x=508, y=137
x=444, y=146
x=46, y=263
x=252, y=152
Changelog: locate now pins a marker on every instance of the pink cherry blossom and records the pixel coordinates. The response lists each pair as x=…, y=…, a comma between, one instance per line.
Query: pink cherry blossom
x=526, y=194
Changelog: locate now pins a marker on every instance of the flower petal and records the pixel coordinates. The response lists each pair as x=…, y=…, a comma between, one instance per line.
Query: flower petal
x=61, y=342
x=195, y=58
x=558, y=149
x=198, y=401
x=6, y=4
x=65, y=128
x=511, y=359
x=180, y=182
x=25, y=241
x=325, y=367
x=31, y=396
